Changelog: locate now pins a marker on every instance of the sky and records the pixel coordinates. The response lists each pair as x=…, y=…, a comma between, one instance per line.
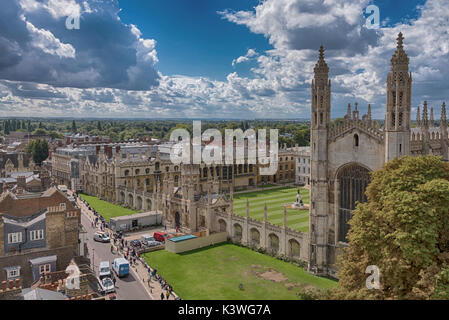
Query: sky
x=231, y=59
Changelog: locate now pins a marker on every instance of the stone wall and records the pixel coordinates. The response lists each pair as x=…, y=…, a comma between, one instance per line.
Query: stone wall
x=195, y=243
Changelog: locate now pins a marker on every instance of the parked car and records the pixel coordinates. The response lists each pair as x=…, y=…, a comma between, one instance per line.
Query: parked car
x=146, y=238
x=104, y=271
x=160, y=236
x=101, y=237
x=121, y=267
x=153, y=243
x=135, y=243
x=107, y=285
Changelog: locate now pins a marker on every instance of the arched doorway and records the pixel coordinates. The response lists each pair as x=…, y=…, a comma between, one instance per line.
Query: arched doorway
x=294, y=249
x=352, y=181
x=273, y=243
x=222, y=225
x=255, y=237
x=237, y=232
x=177, y=219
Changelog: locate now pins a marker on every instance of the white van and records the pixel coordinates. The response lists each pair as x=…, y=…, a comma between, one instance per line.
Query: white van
x=104, y=270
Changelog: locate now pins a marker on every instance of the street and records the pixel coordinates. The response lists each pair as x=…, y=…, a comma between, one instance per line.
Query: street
x=128, y=288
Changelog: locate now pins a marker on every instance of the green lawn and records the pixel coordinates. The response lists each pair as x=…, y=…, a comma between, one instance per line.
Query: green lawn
x=105, y=209
x=216, y=272
x=275, y=199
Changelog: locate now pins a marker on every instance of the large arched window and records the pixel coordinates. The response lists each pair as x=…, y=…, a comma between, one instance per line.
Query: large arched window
x=353, y=180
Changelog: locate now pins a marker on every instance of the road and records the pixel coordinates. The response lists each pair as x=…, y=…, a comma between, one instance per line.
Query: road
x=129, y=288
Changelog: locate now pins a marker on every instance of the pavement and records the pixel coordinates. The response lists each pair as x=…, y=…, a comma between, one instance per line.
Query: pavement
x=136, y=285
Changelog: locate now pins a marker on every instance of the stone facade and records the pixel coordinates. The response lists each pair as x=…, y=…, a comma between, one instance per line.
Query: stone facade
x=344, y=153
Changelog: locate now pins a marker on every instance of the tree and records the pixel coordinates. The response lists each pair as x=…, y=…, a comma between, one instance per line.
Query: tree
x=38, y=149
x=403, y=229
x=6, y=130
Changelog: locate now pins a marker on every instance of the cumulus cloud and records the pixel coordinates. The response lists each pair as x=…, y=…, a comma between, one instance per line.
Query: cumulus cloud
x=104, y=52
x=251, y=53
x=111, y=69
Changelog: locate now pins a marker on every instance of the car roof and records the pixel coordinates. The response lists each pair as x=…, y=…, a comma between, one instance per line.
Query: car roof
x=103, y=263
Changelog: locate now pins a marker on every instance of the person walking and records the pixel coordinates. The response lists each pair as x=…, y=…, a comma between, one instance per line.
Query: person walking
x=167, y=294
x=162, y=296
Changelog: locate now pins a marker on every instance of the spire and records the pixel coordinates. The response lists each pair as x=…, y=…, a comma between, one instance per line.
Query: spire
x=432, y=122
x=321, y=66
x=424, y=115
x=418, y=117
x=399, y=57
x=349, y=109
x=400, y=39
x=369, y=112
x=443, y=122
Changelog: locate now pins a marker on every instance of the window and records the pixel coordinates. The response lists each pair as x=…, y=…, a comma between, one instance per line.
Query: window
x=137, y=171
x=13, y=272
x=147, y=170
x=126, y=172
x=36, y=235
x=45, y=268
x=356, y=140
x=15, y=237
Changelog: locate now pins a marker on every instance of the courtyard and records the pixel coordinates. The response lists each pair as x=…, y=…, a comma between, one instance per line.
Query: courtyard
x=216, y=272
x=275, y=200
x=105, y=209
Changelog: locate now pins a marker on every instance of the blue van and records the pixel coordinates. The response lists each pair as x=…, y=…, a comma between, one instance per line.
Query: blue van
x=121, y=267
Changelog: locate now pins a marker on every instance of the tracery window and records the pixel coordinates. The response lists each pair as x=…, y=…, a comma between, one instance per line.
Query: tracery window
x=353, y=181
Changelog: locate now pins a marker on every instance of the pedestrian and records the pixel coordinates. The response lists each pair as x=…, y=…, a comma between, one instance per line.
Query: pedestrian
x=167, y=294
x=114, y=280
x=162, y=296
x=165, y=227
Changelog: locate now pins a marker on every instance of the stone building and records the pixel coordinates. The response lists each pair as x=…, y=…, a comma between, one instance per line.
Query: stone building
x=11, y=162
x=302, y=165
x=343, y=155
x=38, y=233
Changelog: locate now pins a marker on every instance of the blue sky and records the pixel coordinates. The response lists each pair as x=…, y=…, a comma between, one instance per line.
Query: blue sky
x=206, y=44
x=212, y=58
x=192, y=38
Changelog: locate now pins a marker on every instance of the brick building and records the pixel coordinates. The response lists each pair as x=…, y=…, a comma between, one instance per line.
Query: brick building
x=38, y=234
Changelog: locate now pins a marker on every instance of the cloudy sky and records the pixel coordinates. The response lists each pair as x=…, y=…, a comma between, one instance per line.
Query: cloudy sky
x=212, y=58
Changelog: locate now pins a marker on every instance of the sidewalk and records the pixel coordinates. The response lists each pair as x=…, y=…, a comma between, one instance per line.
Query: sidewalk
x=153, y=288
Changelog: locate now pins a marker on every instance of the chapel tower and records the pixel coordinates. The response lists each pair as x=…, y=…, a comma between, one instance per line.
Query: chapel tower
x=320, y=115
x=398, y=105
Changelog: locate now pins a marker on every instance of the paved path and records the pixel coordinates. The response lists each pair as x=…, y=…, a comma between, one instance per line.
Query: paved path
x=133, y=287
x=129, y=288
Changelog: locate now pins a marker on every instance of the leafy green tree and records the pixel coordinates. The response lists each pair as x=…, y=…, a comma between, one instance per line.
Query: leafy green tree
x=38, y=149
x=6, y=130
x=403, y=229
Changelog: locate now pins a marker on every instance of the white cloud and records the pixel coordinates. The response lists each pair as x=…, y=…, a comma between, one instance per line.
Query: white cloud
x=48, y=43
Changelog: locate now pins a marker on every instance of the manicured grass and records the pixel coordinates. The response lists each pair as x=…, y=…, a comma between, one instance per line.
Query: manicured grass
x=216, y=272
x=275, y=200
x=105, y=209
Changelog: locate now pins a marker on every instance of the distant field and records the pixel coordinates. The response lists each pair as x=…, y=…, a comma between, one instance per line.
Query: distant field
x=275, y=199
x=105, y=209
x=216, y=272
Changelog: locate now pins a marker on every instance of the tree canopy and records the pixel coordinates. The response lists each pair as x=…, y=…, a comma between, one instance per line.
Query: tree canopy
x=38, y=149
x=403, y=229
